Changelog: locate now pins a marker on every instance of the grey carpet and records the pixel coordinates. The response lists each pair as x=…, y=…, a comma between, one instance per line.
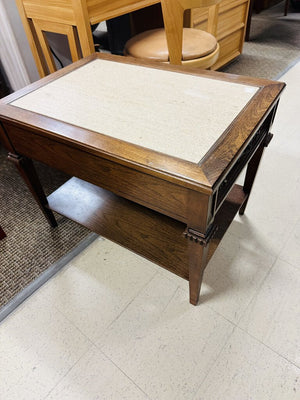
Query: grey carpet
x=273, y=47
x=32, y=247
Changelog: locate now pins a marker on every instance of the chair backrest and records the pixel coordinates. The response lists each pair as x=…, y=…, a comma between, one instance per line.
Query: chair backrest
x=173, y=14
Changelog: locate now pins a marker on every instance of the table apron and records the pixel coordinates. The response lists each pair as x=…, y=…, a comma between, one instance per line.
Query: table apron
x=150, y=191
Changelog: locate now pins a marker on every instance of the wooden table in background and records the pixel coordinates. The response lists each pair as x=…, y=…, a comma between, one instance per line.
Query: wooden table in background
x=154, y=162
x=74, y=18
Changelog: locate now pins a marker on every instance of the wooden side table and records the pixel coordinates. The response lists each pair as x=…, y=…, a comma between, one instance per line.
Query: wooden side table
x=154, y=162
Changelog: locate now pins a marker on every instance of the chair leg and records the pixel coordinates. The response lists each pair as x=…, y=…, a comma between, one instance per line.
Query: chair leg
x=2, y=233
x=74, y=44
x=286, y=7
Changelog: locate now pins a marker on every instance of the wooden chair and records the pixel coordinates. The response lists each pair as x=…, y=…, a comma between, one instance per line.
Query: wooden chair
x=39, y=17
x=176, y=44
x=41, y=27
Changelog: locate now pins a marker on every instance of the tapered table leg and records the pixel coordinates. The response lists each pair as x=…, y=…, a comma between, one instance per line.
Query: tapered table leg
x=28, y=173
x=2, y=233
x=252, y=170
x=197, y=263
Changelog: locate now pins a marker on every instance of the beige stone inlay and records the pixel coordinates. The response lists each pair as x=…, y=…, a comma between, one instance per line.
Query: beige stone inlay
x=173, y=113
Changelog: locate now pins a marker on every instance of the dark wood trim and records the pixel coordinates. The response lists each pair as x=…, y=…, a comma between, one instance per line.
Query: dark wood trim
x=145, y=160
x=237, y=136
x=198, y=177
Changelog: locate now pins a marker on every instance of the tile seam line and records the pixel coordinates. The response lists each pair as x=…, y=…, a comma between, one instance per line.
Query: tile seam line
x=270, y=348
x=170, y=300
x=289, y=235
x=105, y=328
x=214, y=362
x=256, y=292
x=66, y=373
x=254, y=338
x=112, y=361
x=287, y=262
x=125, y=374
x=125, y=308
x=221, y=315
x=74, y=326
x=292, y=227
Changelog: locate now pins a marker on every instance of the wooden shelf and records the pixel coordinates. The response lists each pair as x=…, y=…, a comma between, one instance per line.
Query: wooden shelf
x=148, y=233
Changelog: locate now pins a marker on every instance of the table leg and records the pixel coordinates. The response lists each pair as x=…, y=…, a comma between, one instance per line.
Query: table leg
x=252, y=170
x=197, y=263
x=198, y=233
x=286, y=7
x=28, y=173
x=2, y=233
x=83, y=27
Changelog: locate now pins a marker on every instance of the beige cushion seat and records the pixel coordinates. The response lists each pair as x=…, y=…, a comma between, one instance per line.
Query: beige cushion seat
x=152, y=44
x=176, y=44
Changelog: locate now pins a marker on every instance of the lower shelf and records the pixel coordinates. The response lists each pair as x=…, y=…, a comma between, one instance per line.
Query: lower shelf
x=148, y=233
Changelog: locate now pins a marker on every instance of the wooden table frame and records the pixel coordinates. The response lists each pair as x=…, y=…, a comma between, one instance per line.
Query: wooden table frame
x=171, y=211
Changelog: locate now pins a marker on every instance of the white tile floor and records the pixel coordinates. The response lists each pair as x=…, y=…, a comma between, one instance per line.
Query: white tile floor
x=112, y=325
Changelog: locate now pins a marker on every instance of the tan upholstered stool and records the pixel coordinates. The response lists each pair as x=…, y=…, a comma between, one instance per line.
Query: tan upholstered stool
x=153, y=45
x=198, y=48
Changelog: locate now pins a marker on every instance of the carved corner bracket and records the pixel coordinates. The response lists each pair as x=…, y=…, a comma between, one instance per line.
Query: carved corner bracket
x=198, y=237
